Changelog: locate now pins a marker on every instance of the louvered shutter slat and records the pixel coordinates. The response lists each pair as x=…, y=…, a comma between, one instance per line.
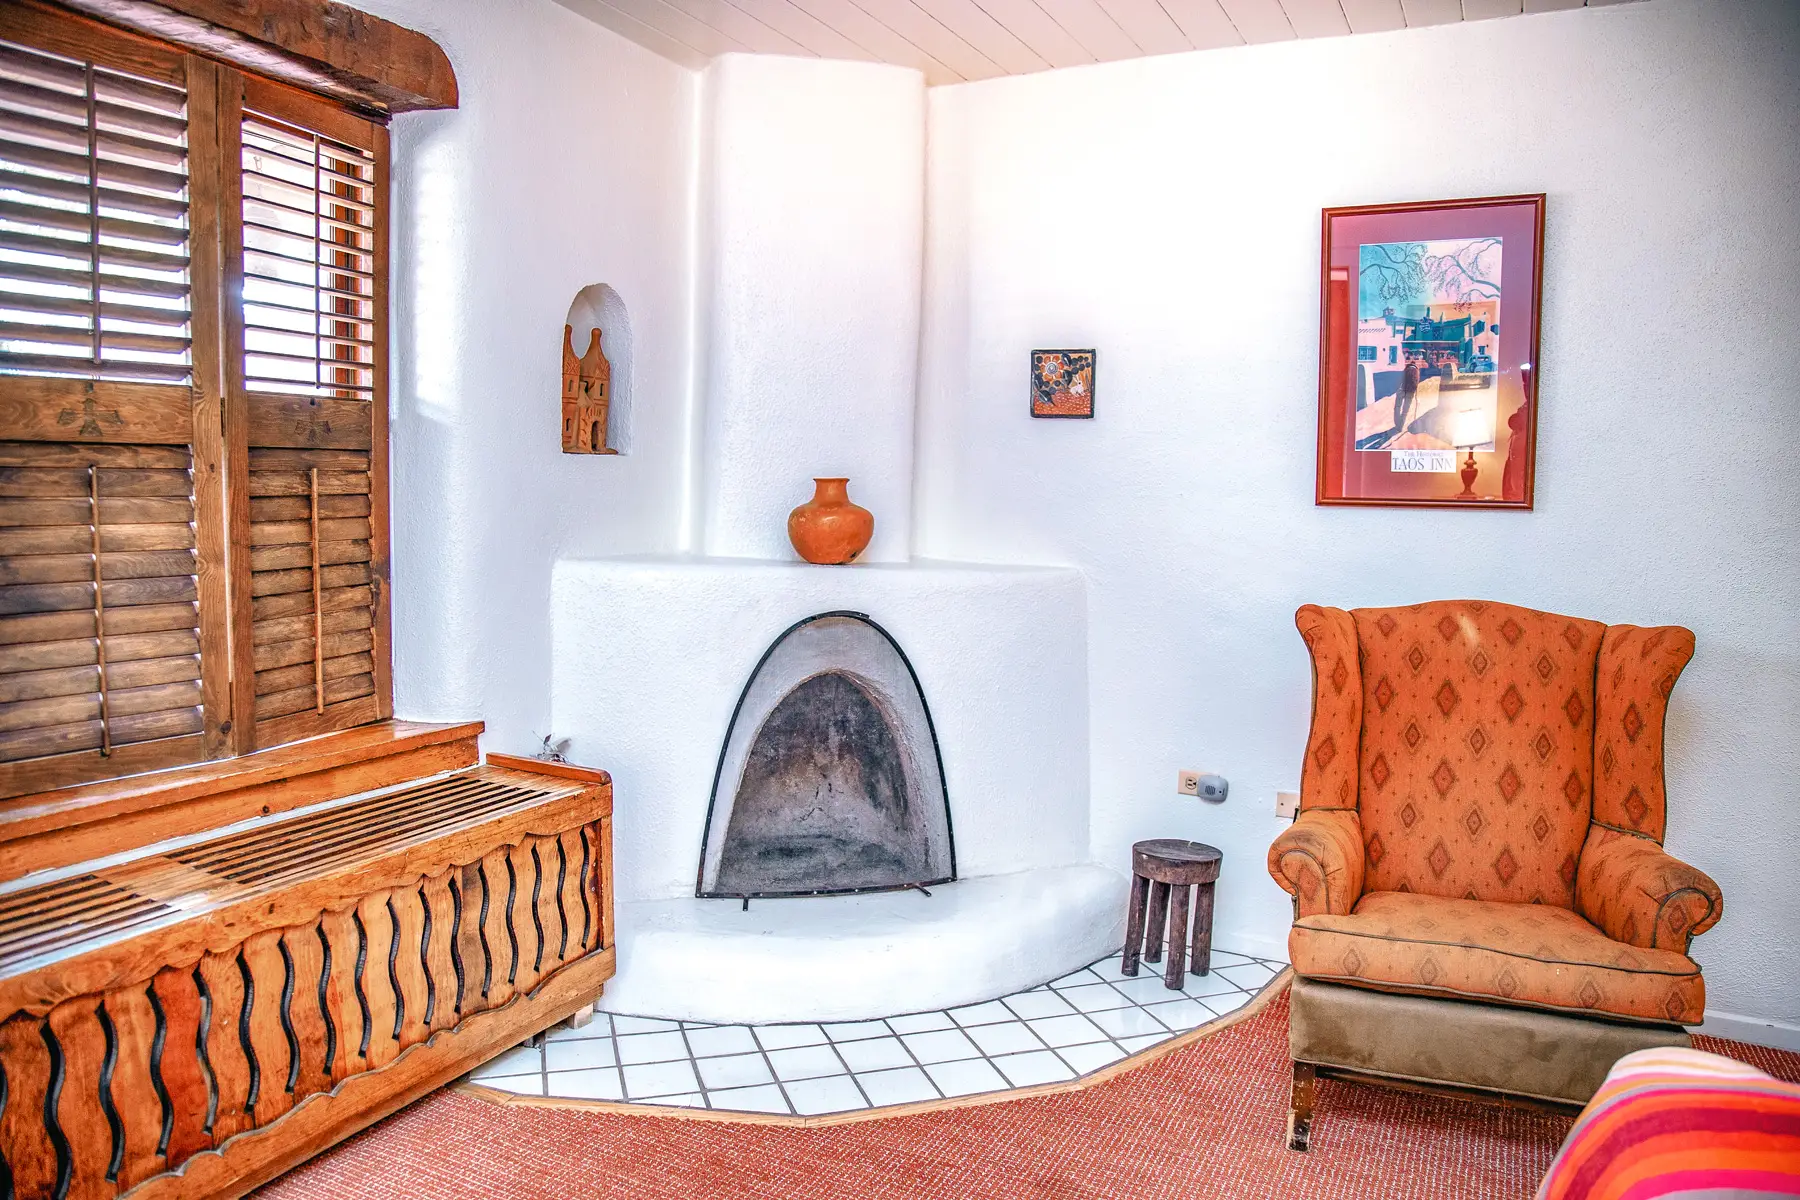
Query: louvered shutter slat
x=308, y=248
x=93, y=222
x=43, y=243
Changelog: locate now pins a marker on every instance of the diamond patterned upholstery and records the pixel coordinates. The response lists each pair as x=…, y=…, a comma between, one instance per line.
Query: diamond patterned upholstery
x=1477, y=750
x=1496, y=756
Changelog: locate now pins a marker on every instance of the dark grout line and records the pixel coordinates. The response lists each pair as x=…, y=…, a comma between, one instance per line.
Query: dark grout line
x=930, y=1082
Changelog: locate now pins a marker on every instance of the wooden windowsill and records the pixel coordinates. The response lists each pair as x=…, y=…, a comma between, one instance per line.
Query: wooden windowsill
x=66, y=808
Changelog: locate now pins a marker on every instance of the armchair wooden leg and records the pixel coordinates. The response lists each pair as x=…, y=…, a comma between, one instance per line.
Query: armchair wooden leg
x=1299, y=1130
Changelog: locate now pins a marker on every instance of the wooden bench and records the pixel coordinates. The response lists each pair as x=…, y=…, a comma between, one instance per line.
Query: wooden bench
x=194, y=1015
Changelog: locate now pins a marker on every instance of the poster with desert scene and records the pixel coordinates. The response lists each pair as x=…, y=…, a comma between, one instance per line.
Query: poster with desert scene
x=1427, y=341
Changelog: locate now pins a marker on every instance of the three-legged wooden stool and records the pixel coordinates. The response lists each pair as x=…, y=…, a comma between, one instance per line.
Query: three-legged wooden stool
x=1157, y=866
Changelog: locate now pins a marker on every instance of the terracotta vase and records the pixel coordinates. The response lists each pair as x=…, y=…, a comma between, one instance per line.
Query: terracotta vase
x=829, y=529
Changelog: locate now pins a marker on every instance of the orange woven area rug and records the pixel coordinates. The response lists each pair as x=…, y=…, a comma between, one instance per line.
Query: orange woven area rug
x=1206, y=1120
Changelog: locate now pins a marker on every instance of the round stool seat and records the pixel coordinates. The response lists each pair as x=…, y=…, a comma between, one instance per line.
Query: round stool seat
x=1171, y=860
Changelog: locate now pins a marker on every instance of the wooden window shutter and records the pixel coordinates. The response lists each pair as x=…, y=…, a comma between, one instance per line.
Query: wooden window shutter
x=113, y=650
x=307, y=416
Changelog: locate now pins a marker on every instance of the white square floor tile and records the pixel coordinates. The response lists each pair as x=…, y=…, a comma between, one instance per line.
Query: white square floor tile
x=944, y=1045
x=734, y=1071
x=1027, y=1070
x=921, y=1022
x=1134, y=1044
x=599, y=1027
x=874, y=1054
x=765, y=1099
x=1181, y=1015
x=1039, y=1004
x=1227, y=1004
x=811, y=1097
x=519, y=1085
x=852, y=1031
x=1229, y=958
x=601, y=1083
x=1129, y=1022
x=966, y=1078
x=1075, y=979
x=981, y=1014
x=1014, y=1037
x=907, y=1085
x=721, y=1039
x=1250, y=975
x=519, y=1060
x=690, y=1100
x=1147, y=987
x=1091, y=1056
x=622, y=1025
x=783, y=1037
x=805, y=1062
x=1210, y=984
x=1066, y=1031
x=651, y=1048
x=571, y=1056
x=1094, y=997
x=654, y=1081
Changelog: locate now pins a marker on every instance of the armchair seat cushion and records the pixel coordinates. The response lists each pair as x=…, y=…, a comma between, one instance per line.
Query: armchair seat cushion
x=1528, y=955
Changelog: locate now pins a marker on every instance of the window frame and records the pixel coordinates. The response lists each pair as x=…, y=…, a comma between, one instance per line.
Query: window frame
x=215, y=415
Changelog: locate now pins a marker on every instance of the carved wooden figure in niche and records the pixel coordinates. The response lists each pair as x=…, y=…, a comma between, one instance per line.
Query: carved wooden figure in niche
x=586, y=396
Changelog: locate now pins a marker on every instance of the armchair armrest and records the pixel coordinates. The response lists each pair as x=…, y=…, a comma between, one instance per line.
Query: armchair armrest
x=1319, y=861
x=1638, y=893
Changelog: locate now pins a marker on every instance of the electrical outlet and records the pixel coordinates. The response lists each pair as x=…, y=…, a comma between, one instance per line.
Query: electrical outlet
x=1287, y=804
x=1188, y=783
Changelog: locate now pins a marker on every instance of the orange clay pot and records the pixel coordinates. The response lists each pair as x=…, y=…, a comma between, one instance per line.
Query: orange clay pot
x=829, y=529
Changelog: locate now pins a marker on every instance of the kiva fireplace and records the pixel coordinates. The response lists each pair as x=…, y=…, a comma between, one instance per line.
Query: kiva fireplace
x=829, y=780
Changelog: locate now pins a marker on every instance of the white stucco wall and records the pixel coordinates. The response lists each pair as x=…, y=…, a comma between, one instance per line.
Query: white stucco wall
x=568, y=163
x=1166, y=211
x=811, y=219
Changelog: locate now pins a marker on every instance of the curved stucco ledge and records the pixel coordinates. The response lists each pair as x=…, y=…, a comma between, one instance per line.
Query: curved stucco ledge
x=850, y=958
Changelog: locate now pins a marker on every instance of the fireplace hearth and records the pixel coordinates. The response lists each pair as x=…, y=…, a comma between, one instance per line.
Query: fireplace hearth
x=829, y=780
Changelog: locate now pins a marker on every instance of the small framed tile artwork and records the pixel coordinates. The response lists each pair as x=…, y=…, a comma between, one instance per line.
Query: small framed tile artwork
x=1062, y=383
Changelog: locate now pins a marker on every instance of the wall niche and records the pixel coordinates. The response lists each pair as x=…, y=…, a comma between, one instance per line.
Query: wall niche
x=596, y=374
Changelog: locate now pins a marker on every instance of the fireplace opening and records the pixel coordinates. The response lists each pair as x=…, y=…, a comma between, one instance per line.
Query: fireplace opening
x=830, y=779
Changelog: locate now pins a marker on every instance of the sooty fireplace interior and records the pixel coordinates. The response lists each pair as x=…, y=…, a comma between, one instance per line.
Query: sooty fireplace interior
x=829, y=780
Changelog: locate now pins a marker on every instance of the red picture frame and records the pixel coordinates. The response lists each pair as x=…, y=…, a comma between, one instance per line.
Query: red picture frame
x=1428, y=365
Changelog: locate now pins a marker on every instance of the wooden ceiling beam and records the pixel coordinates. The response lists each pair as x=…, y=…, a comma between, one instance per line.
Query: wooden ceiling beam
x=318, y=45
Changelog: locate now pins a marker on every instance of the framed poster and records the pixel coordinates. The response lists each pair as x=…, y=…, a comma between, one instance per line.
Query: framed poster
x=1428, y=344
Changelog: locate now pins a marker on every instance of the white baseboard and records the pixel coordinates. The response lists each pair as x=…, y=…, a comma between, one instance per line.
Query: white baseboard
x=1758, y=1031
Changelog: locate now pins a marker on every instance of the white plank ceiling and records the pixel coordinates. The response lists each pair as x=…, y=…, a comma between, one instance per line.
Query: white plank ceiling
x=956, y=40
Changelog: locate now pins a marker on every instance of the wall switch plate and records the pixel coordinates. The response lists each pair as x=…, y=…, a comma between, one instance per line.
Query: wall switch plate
x=1287, y=804
x=1188, y=783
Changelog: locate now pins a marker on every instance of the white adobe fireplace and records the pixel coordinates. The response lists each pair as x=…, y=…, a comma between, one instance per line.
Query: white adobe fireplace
x=810, y=270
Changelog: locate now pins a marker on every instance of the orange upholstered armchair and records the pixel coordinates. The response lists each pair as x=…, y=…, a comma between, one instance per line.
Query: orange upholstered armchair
x=1481, y=821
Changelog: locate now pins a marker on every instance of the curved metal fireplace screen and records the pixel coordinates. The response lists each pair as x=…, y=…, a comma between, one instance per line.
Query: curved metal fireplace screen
x=830, y=779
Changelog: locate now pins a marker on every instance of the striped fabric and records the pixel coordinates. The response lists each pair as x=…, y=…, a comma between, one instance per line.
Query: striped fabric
x=1681, y=1125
